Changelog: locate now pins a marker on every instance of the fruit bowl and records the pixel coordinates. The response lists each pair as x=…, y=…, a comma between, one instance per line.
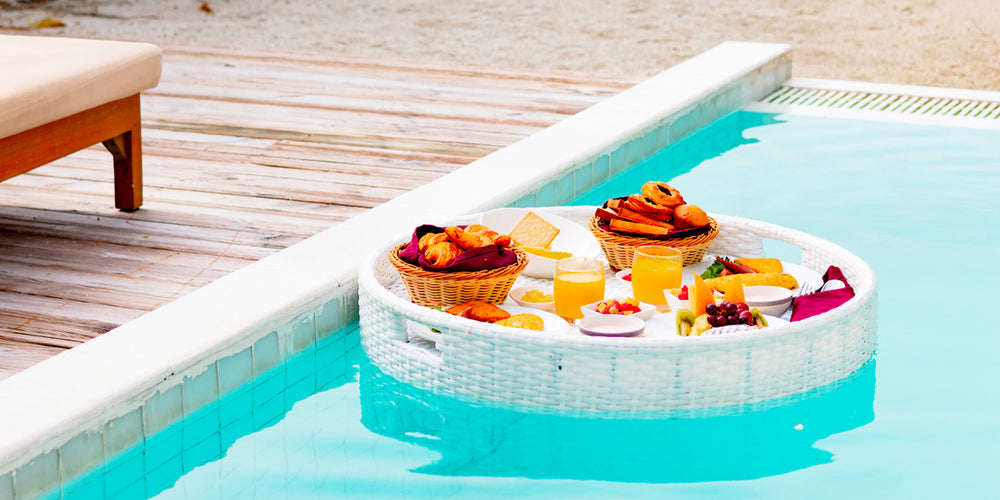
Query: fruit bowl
x=645, y=311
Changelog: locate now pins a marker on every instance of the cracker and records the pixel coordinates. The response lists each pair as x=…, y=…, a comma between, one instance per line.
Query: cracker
x=534, y=231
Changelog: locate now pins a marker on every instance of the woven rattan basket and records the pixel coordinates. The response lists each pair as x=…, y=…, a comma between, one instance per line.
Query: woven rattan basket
x=431, y=288
x=620, y=249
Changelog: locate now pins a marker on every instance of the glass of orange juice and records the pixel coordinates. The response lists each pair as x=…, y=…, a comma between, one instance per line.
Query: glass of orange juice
x=654, y=270
x=578, y=282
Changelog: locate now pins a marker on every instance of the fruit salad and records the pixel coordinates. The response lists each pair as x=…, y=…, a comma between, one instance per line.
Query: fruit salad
x=718, y=315
x=615, y=306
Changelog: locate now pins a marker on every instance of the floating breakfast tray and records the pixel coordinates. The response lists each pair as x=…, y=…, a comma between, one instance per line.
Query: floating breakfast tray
x=644, y=377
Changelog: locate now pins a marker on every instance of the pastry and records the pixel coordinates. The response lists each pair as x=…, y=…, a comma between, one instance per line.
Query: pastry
x=649, y=207
x=625, y=226
x=500, y=239
x=429, y=239
x=663, y=193
x=630, y=215
x=687, y=216
x=442, y=254
x=466, y=240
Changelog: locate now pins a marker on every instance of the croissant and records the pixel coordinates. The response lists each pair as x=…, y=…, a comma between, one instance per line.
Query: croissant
x=442, y=254
x=466, y=240
x=501, y=239
x=429, y=239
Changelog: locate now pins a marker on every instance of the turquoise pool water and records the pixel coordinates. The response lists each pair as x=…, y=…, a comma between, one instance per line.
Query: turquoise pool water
x=921, y=420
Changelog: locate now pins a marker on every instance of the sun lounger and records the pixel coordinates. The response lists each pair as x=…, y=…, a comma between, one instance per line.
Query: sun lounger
x=61, y=95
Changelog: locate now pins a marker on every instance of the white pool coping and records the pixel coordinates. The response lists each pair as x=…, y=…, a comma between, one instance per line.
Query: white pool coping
x=105, y=387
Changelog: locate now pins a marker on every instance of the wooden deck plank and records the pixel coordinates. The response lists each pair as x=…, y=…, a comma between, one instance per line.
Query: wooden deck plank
x=245, y=153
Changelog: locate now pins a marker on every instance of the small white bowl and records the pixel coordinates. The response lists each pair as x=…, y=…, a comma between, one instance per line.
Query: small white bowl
x=516, y=294
x=675, y=303
x=770, y=300
x=646, y=311
x=621, y=277
x=611, y=325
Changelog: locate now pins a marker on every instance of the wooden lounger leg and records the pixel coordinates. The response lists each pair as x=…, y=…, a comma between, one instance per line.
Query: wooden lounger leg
x=127, y=152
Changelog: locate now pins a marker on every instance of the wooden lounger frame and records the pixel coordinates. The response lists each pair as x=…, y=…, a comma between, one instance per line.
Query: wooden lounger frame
x=115, y=124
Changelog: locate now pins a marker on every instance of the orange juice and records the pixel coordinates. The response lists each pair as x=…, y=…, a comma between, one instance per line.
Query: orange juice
x=578, y=282
x=655, y=269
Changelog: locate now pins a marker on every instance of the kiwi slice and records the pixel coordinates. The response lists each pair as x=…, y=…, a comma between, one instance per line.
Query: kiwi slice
x=685, y=322
x=758, y=318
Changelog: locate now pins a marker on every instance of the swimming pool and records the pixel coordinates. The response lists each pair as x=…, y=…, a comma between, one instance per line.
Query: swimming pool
x=920, y=420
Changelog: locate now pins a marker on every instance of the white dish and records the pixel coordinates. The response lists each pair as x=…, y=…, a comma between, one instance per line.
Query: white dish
x=620, y=275
x=646, y=311
x=572, y=238
x=770, y=300
x=552, y=324
x=802, y=274
x=611, y=325
x=518, y=292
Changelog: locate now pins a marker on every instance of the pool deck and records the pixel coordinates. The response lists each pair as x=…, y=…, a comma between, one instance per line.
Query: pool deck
x=246, y=153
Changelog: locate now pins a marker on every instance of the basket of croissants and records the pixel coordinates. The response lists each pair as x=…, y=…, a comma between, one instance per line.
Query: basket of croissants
x=656, y=216
x=450, y=265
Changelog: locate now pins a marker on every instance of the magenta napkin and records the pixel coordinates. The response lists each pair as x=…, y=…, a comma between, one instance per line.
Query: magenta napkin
x=477, y=259
x=810, y=305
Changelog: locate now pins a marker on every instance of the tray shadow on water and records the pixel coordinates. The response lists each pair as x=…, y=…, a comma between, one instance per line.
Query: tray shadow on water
x=492, y=442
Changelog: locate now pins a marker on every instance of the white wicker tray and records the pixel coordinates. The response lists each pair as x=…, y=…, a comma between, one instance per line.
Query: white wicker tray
x=640, y=377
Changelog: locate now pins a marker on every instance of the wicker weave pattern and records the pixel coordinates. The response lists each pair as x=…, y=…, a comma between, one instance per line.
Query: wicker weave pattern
x=620, y=249
x=641, y=377
x=429, y=288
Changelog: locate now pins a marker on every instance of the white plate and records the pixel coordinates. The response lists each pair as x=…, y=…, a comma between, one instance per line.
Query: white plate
x=551, y=324
x=802, y=274
x=665, y=325
x=572, y=238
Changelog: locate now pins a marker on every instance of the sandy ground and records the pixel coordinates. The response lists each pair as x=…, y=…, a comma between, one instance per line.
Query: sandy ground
x=949, y=43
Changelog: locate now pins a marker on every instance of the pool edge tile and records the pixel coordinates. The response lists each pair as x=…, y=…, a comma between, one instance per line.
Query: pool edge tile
x=38, y=477
x=81, y=454
x=7, y=486
x=162, y=409
x=122, y=433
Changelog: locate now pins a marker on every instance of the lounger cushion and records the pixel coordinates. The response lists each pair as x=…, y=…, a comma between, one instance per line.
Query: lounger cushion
x=45, y=79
